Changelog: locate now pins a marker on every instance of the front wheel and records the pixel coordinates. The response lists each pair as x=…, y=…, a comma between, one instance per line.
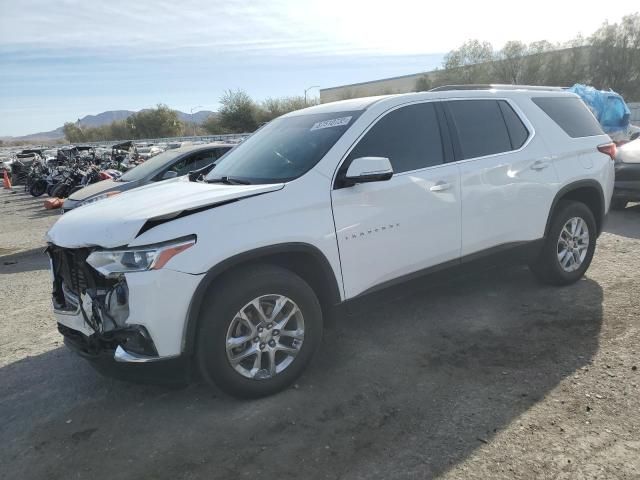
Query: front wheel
x=38, y=188
x=60, y=190
x=258, y=331
x=569, y=245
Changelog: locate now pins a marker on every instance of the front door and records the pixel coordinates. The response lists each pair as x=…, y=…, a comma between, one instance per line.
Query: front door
x=390, y=229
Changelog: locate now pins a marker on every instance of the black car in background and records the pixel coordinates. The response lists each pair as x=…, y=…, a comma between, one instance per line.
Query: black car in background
x=166, y=165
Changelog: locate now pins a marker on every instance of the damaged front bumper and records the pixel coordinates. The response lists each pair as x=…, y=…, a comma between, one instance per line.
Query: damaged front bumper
x=135, y=320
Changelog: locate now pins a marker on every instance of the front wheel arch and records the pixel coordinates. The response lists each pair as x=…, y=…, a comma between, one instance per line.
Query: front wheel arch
x=303, y=259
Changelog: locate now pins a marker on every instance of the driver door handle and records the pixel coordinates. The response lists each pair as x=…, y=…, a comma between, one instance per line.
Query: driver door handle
x=440, y=187
x=539, y=165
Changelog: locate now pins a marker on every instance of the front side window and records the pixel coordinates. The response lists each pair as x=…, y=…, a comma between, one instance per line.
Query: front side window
x=480, y=126
x=409, y=137
x=192, y=162
x=284, y=149
x=150, y=166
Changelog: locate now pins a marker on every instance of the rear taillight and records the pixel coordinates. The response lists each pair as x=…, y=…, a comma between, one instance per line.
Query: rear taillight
x=608, y=149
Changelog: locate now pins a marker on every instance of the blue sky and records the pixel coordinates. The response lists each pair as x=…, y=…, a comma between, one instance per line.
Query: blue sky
x=61, y=60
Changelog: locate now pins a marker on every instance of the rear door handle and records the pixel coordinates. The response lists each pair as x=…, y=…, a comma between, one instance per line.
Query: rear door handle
x=440, y=187
x=539, y=165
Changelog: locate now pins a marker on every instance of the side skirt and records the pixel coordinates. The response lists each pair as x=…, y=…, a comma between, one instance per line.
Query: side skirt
x=516, y=253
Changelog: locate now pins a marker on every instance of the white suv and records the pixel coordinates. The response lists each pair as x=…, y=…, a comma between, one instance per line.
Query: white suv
x=234, y=274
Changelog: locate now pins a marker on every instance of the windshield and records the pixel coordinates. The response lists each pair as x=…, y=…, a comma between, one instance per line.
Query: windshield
x=284, y=149
x=150, y=166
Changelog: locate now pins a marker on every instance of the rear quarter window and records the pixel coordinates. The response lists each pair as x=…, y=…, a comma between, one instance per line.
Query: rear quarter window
x=571, y=115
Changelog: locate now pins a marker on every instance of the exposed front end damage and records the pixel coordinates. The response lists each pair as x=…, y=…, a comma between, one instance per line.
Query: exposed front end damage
x=101, y=304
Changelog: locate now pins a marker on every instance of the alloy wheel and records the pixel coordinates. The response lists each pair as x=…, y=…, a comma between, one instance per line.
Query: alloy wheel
x=573, y=244
x=265, y=336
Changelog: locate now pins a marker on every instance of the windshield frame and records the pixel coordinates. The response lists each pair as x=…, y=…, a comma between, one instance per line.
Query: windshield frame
x=250, y=146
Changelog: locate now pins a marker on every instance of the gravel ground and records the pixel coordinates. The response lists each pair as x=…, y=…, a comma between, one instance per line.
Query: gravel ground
x=492, y=376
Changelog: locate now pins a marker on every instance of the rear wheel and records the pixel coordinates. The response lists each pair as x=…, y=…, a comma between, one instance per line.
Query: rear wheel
x=258, y=331
x=569, y=246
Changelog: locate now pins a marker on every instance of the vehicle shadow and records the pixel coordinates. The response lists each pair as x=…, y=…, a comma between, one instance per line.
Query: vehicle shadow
x=27, y=261
x=406, y=389
x=624, y=222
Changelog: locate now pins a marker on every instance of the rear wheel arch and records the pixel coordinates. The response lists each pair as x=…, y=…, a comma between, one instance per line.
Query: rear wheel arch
x=588, y=192
x=305, y=260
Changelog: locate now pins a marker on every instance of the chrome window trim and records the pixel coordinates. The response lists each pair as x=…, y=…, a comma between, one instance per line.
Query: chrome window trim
x=371, y=125
x=518, y=111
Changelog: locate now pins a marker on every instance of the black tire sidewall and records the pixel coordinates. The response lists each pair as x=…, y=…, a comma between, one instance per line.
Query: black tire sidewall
x=569, y=210
x=38, y=188
x=619, y=204
x=232, y=294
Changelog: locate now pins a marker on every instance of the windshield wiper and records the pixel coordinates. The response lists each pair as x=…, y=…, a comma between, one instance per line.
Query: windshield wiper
x=230, y=180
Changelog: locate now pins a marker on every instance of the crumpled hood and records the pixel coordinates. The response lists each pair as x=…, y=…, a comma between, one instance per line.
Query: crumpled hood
x=116, y=221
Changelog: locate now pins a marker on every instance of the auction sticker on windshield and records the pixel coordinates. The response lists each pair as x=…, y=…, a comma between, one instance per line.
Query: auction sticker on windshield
x=336, y=122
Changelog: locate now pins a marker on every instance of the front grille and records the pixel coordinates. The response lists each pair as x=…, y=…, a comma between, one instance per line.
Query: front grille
x=69, y=267
x=73, y=275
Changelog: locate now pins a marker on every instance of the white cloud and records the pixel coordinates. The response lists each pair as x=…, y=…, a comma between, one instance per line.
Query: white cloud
x=290, y=27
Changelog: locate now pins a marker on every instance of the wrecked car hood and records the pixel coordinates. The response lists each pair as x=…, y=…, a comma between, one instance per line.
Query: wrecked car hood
x=116, y=221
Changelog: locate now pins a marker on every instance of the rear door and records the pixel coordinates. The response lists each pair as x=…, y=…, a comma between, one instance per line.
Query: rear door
x=507, y=179
x=391, y=229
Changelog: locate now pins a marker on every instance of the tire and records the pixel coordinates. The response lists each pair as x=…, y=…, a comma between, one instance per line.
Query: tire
x=60, y=190
x=38, y=188
x=219, y=322
x=619, y=204
x=547, y=266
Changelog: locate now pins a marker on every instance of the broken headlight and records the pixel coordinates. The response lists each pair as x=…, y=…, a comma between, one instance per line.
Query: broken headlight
x=112, y=263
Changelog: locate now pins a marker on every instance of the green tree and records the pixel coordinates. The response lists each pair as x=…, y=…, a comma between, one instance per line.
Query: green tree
x=212, y=125
x=567, y=64
x=614, y=57
x=238, y=112
x=533, y=68
x=509, y=62
x=423, y=84
x=155, y=122
x=274, y=107
x=471, y=63
x=73, y=133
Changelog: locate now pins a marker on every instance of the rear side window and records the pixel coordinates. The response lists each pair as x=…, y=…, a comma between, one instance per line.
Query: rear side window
x=571, y=114
x=480, y=126
x=518, y=133
x=409, y=137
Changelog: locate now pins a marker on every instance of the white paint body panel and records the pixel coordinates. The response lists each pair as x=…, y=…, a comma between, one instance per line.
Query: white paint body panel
x=389, y=229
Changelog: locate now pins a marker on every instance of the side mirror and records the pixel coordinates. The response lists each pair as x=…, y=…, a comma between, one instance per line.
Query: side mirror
x=169, y=174
x=368, y=169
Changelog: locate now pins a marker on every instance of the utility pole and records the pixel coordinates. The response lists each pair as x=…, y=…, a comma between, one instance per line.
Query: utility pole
x=306, y=90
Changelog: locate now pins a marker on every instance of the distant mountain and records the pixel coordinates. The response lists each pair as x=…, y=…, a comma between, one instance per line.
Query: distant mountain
x=106, y=118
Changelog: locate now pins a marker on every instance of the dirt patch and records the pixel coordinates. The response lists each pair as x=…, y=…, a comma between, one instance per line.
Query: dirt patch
x=492, y=376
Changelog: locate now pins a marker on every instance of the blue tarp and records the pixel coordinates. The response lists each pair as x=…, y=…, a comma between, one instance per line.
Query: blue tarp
x=608, y=107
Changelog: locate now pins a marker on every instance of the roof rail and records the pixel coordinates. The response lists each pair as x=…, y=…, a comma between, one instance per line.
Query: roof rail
x=495, y=86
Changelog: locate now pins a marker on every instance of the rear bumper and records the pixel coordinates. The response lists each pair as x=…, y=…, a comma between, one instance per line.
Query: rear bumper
x=627, y=184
